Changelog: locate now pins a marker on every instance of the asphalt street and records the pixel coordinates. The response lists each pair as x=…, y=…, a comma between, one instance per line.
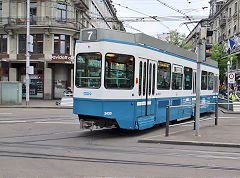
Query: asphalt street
x=42, y=142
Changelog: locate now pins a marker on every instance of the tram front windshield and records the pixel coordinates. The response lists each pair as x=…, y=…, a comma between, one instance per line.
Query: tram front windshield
x=88, y=70
x=119, y=71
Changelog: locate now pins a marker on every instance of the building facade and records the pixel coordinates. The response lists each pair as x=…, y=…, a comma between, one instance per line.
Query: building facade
x=224, y=21
x=55, y=27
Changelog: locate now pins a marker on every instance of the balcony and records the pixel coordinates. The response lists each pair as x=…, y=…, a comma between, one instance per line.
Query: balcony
x=14, y=23
x=222, y=22
x=82, y=4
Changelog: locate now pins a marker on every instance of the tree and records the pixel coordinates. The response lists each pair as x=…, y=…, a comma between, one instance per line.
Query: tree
x=219, y=55
x=179, y=39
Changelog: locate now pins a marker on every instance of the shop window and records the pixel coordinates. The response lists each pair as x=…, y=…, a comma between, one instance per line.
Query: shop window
x=204, y=80
x=61, y=12
x=3, y=43
x=119, y=71
x=163, y=76
x=61, y=44
x=37, y=44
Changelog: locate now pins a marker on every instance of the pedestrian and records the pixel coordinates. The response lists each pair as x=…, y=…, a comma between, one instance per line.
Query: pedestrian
x=234, y=96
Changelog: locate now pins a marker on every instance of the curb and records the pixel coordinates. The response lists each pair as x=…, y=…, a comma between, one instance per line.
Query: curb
x=230, y=112
x=196, y=143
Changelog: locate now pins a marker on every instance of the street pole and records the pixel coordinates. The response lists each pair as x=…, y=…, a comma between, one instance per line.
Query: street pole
x=27, y=53
x=228, y=71
x=198, y=86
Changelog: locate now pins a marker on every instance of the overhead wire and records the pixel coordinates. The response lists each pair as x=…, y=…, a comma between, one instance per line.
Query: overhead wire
x=176, y=10
x=153, y=17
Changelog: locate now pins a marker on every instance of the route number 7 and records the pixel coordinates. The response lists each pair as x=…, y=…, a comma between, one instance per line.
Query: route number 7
x=90, y=35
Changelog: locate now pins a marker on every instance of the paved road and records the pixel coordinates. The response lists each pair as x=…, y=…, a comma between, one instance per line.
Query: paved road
x=48, y=143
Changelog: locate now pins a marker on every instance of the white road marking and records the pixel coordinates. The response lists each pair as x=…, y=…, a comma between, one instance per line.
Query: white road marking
x=37, y=122
x=57, y=123
x=6, y=113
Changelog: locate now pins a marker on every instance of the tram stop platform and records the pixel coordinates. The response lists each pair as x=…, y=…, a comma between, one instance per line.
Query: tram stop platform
x=225, y=134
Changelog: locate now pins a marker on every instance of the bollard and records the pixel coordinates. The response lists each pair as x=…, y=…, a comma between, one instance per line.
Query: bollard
x=194, y=123
x=216, y=114
x=167, y=120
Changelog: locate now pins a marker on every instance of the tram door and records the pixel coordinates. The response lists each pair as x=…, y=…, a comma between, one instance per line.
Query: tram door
x=147, y=87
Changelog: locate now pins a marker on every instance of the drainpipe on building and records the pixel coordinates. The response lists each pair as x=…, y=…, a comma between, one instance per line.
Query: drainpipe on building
x=238, y=15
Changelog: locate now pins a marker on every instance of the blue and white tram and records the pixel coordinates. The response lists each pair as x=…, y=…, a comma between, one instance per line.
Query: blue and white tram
x=127, y=80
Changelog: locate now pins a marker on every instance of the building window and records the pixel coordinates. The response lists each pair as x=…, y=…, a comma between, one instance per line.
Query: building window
x=33, y=13
x=235, y=7
x=0, y=11
x=61, y=12
x=37, y=43
x=230, y=12
x=3, y=43
x=61, y=44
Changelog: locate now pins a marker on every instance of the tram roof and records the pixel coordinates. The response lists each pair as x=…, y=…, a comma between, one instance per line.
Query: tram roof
x=99, y=34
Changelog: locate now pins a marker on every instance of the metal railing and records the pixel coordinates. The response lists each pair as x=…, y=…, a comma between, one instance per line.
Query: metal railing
x=168, y=114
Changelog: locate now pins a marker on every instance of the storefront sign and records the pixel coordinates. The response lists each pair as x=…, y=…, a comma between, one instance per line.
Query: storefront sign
x=62, y=57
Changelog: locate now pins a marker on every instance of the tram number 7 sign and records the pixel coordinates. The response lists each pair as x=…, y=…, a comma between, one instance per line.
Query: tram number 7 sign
x=231, y=78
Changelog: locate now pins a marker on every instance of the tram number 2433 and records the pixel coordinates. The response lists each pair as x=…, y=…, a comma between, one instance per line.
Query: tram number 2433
x=107, y=113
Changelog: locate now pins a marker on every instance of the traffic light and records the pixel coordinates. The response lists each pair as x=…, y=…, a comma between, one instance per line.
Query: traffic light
x=208, y=50
x=205, y=51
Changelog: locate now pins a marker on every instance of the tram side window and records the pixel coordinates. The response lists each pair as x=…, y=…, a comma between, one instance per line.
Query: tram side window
x=204, y=80
x=163, y=76
x=140, y=79
x=187, y=78
x=144, y=78
x=154, y=72
x=88, y=70
x=119, y=71
x=210, y=80
x=177, y=78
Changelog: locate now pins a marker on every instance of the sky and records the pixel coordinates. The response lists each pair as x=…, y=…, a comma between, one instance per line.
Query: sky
x=195, y=8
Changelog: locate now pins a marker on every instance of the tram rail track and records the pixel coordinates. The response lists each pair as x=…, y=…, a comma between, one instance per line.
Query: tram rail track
x=110, y=161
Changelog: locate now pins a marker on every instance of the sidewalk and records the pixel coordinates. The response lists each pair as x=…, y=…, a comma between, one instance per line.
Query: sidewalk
x=38, y=103
x=225, y=134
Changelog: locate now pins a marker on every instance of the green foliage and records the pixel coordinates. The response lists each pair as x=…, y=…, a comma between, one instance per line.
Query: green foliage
x=179, y=39
x=222, y=58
